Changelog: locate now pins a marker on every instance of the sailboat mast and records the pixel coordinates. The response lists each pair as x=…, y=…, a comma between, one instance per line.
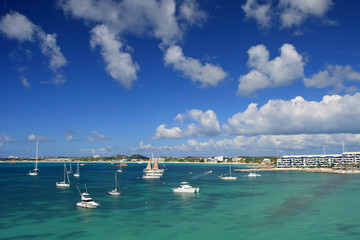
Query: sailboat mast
x=37, y=151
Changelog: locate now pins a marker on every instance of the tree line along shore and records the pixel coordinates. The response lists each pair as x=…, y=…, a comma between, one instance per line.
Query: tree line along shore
x=270, y=160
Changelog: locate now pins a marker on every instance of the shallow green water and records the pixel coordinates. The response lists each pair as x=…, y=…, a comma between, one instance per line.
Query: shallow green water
x=278, y=205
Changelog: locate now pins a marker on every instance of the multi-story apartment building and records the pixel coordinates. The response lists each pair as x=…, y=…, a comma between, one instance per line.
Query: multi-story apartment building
x=324, y=160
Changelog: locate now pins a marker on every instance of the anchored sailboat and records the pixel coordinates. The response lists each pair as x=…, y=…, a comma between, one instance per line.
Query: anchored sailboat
x=77, y=174
x=115, y=192
x=226, y=177
x=64, y=184
x=70, y=171
x=34, y=172
x=152, y=170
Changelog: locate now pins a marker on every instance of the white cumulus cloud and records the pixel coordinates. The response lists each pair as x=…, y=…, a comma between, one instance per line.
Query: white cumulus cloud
x=18, y=27
x=335, y=76
x=208, y=75
x=294, y=12
x=95, y=136
x=119, y=64
x=199, y=124
x=166, y=20
x=280, y=71
x=288, y=13
x=261, y=13
x=334, y=114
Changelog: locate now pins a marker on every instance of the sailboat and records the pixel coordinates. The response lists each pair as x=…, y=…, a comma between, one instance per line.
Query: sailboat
x=77, y=174
x=225, y=177
x=64, y=184
x=115, y=192
x=70, y=169
x=34, y=172
x=153, y=167
x=152, y=171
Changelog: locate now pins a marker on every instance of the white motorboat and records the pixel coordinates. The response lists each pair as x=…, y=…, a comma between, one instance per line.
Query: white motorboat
x=152, y=176
x=185, y=188
x=35, y=171
x=253, y=174
x=228, y=177
x=115, y=192
x=64, y=184
x=86, y=200
x=77, y=174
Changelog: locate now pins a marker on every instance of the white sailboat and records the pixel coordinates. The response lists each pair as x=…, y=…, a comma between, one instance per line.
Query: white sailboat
x=226, y=177
x=64, y=184
x=70, y=171
x=115, y=192
x=77, y=174
x=35, y=171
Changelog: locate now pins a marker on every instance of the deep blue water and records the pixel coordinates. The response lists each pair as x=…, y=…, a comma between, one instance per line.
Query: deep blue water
x=278, y=205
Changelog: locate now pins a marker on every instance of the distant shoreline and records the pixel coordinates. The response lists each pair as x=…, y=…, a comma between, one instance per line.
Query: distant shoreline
x=259, y=167
x=116, y=162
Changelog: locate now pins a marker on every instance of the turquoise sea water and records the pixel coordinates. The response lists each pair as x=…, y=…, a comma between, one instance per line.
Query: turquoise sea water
x=278, y=205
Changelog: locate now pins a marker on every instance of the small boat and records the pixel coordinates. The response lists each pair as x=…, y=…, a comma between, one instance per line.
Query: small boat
x=77, y=174
x=115, y=192
x=82, y=164
x=152, y=176
x=86, y=200
x=153, y=167
x=253, y=174
x=209, y=172
x=64, y=184
x=228, y=177
x=35, y=171
x=185, y=188
x=70, y=171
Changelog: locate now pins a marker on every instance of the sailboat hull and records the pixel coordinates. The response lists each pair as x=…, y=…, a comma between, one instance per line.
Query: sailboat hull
x=114, y=193
x=62, y=185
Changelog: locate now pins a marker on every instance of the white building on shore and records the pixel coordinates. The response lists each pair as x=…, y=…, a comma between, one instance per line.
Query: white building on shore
x=323, y=160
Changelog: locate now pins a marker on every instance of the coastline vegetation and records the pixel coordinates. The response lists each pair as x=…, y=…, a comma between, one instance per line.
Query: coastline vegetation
x=140, y=158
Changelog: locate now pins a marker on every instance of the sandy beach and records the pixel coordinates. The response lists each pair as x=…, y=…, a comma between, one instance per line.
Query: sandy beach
x=310, y=170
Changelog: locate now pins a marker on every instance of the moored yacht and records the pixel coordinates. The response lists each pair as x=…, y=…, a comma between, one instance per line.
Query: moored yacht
x=35, y=171
x=64, y=184
x=185, y=188
x=86, y=200
x=253, y=174
x=152, y=176
x=228, y=177
x=115, y=192
x=77, y=174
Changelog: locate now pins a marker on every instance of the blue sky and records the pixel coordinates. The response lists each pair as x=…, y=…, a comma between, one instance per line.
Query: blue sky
x=177, y=78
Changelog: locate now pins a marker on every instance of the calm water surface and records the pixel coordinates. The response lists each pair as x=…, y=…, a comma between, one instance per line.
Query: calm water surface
x=278, y=205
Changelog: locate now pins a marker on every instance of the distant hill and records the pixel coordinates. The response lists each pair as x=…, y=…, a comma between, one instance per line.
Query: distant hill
x=138, y=156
